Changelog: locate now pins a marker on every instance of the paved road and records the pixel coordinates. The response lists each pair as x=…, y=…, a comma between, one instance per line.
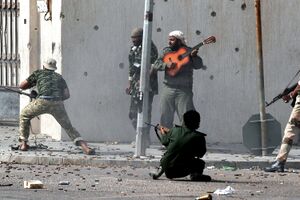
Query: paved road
x=134, y=183
x=116, y=154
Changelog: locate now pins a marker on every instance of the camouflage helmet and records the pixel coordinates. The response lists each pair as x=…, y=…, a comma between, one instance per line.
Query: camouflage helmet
x=137, y=32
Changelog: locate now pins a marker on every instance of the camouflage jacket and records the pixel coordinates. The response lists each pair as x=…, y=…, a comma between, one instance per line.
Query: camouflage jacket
x=135, y=58
x=48, y=83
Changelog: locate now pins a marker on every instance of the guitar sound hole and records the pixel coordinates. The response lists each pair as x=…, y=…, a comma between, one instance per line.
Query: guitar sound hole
x=180, y=57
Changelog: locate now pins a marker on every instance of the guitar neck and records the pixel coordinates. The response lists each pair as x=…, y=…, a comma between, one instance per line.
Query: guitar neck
x=189, y=51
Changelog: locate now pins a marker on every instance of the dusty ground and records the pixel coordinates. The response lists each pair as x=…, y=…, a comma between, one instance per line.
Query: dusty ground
x=134, y=183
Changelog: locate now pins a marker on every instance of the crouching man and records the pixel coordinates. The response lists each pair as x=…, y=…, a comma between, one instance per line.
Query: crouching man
x=185, y=148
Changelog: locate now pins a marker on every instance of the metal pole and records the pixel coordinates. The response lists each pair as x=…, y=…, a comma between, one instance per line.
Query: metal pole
x=140, y=149
x=260, y=69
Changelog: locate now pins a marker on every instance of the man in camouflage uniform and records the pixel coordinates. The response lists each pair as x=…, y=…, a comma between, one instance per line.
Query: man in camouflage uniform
x=135, y=58
x=52, y=91
x=177, y=94
x=291, y=130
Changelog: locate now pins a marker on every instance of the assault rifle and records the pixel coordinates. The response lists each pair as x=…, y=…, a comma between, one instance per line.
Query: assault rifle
x=32, y=95
x=156, y=128
x=285, y=92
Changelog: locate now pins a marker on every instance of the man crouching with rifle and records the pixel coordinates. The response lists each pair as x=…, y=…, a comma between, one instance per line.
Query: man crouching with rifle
x=185, y=148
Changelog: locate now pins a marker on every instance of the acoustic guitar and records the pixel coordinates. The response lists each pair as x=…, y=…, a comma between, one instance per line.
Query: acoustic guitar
x=181, y=56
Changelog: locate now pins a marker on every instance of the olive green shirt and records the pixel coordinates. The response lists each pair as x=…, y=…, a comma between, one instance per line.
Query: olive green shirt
x=48, y=82
x=182, y=145
x=184, y=78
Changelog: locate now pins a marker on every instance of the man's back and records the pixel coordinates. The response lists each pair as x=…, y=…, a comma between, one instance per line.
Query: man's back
x=48, y=82
x=182, y=145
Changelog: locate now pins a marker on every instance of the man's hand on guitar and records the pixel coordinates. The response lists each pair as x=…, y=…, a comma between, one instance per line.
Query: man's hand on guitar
x=194, y=52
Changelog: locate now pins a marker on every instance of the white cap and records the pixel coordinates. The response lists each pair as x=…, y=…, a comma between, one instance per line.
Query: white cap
x=50, y=64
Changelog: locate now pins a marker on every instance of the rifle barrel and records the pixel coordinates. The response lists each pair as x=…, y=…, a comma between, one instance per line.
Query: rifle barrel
x=286, y=91
x=16, y=91
x=149, y=124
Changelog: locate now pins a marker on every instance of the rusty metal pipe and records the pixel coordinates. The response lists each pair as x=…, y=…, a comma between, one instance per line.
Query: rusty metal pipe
x=260, y=69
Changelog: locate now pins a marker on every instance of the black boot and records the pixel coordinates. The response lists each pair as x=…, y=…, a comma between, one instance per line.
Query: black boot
x=278, y=166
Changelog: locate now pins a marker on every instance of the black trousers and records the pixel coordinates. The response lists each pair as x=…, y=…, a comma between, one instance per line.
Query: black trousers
x=182, y=169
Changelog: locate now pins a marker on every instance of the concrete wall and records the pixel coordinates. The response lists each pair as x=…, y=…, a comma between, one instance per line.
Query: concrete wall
x=92, y=48
x=9, y=106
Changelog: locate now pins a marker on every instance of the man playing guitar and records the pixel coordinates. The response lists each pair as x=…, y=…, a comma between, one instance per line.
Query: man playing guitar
x=177, y=93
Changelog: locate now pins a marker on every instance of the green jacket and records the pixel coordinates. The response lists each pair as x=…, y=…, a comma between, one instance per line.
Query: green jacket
x=182, y=146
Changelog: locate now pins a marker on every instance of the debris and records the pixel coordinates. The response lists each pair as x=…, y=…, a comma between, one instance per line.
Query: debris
x=33, y=184
x=227, y=190
x=204, y=197
x=6, y=184
x=237, y=174
x=211, y=167
x=64, y=183
x=228, y=168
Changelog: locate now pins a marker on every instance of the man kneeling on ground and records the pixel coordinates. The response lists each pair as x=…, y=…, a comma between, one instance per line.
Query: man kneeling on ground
x=185, y=148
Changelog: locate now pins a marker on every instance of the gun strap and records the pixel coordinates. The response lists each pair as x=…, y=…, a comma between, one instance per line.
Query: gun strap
x=157, y=134
x=293, y=78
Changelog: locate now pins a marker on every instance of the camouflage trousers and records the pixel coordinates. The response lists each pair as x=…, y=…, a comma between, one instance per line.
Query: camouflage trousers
x=42, y=106
x=175, y=99
x=135, y=107
x=291, y=130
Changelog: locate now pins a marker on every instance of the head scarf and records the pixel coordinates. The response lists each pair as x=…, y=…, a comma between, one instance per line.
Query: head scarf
x=179, y=35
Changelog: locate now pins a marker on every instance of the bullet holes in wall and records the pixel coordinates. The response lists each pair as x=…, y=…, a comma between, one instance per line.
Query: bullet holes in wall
x=243, y=6
x=213, y=14
x=121, y=65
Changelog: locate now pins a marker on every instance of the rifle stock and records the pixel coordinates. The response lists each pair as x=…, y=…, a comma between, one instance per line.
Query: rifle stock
x=32, y=94
x=285, y=92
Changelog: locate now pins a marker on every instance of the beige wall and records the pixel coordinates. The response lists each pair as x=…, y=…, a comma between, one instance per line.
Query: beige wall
x=91, y=39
